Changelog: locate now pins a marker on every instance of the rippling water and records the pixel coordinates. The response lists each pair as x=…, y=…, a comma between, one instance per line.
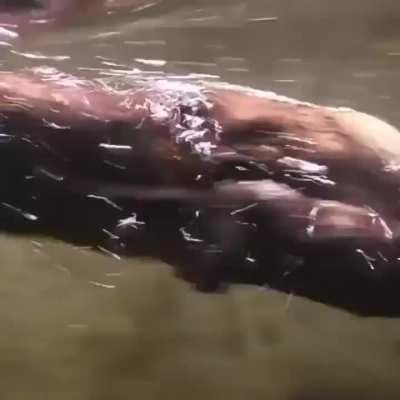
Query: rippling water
x=77, y=324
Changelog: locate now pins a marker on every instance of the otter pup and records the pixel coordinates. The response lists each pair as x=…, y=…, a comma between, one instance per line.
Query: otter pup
x=227, y=183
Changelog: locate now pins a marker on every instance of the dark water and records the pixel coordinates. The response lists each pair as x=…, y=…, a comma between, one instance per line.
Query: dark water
x=77, y=324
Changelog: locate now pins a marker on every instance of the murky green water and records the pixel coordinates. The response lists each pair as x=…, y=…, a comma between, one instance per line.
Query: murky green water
x=81, y=325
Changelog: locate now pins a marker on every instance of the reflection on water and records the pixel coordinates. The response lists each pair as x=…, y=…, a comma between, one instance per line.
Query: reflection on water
x=106, y=328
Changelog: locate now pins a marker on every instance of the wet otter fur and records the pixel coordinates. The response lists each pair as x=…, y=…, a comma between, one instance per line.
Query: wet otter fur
x=228, y=184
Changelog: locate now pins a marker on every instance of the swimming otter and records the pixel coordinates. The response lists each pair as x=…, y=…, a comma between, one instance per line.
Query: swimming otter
x=229, y=183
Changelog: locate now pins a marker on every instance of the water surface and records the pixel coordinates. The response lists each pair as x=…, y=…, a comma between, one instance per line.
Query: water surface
x=79, y=324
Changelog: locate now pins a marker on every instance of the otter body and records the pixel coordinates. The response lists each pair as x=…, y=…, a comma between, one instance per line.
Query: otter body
x=228, y=184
